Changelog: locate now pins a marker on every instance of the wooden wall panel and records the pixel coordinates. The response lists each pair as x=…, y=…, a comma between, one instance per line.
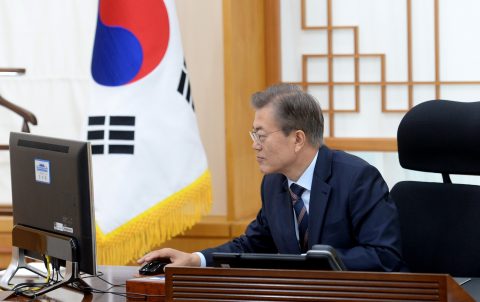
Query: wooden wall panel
x=245, y=73
x=272, y=41
x=6, y=224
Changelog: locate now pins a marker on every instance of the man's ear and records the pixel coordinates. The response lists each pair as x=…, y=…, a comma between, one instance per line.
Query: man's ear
x=300, y=140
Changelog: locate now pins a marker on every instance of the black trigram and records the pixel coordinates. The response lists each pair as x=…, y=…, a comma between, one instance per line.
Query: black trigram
x=184, y=86
x=117, y=134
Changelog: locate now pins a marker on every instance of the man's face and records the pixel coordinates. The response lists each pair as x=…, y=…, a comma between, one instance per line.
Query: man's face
x=275, y=151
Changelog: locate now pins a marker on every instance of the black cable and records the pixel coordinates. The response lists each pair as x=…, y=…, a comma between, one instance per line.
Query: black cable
x=33, y=287
x=88, y=289
x=98, y=275
x=128, y=295
x=27, y=287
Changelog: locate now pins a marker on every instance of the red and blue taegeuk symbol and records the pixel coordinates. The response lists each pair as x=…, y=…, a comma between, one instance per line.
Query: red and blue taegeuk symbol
x=131, y=40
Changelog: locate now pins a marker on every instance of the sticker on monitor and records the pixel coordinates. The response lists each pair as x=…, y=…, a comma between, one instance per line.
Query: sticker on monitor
x=58, y=226
x=42, y=171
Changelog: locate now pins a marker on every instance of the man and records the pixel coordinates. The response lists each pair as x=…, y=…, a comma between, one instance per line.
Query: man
x=310, y=194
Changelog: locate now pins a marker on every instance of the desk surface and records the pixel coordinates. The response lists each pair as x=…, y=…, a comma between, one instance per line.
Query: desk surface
x=113, y=274
x=119, y=274
x=473, y=288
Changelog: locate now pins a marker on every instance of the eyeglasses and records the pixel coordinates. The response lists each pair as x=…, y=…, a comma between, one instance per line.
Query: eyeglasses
x=260, y=138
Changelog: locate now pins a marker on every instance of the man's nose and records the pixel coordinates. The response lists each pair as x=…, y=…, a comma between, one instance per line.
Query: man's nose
x=256, y=146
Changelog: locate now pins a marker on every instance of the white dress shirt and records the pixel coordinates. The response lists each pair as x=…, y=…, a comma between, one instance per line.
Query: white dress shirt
x=304, y=181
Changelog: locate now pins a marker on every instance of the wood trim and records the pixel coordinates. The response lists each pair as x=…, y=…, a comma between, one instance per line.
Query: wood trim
x=238, y=227
x=437, y=49
x=5, y=250
x=6, y=224
x=357, y=69
x=409, y=54
x=331, y=104
x=24, y=113
x=272, y=42
x=12, y=71
x=6, y=209
x=362, y=144
x=209, y=226
x=217, y=226
x=401, y=83
x=383, y=77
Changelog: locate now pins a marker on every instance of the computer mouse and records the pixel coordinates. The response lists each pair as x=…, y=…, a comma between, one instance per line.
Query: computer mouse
x=154, y=267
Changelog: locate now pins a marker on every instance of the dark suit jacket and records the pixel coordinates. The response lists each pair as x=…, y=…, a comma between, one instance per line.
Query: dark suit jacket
x=350, y=209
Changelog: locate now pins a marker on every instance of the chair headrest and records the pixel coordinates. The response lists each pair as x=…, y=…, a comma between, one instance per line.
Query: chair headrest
x=441, y=136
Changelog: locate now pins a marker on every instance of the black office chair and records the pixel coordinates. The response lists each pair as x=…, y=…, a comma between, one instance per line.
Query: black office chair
x=440, y=222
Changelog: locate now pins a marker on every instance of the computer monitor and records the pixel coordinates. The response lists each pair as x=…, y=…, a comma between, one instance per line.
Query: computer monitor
x=52, y=193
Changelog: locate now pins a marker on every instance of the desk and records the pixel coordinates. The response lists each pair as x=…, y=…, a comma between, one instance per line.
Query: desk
x=232, y=284
x=472, y=287
x=118, y=275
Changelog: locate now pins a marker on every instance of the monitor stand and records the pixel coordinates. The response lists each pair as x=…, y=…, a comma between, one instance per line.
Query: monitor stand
x=61, y=247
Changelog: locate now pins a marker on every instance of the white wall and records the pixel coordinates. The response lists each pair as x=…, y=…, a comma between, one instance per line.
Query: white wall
x=53, y=40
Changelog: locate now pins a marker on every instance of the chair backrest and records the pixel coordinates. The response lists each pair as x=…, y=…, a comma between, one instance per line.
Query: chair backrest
x=440, y=222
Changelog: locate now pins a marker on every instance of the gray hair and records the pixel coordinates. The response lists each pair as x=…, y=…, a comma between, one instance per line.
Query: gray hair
x=294, y=110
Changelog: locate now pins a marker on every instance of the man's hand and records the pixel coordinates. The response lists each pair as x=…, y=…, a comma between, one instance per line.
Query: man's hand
x=178, y=258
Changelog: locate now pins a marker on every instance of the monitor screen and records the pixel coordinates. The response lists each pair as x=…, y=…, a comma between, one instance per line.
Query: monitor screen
x=52, y=190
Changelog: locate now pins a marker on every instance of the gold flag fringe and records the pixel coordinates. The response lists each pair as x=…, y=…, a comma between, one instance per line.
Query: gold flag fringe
x=156, y=225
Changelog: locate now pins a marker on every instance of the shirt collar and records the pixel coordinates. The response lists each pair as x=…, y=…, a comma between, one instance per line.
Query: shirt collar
x=306, y=178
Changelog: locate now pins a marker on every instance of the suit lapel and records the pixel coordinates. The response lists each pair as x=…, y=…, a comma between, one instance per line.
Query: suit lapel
x=319, y=196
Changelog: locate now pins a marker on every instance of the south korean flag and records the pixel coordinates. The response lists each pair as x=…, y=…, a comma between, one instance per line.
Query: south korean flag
x=151, y=179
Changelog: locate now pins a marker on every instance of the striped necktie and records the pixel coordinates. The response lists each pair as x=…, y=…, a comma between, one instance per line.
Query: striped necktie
x=296, y=192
